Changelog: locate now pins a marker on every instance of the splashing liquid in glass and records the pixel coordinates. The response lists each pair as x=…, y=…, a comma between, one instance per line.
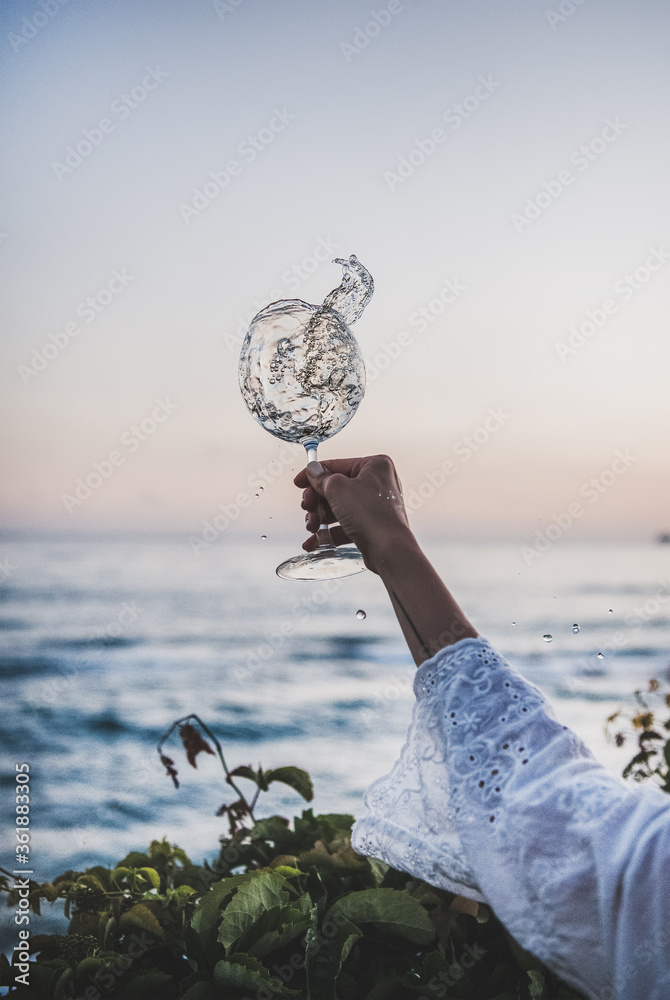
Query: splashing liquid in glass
x=302, y=376
x=301, y=371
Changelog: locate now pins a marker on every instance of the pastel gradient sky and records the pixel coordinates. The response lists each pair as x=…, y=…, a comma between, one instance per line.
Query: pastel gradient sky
x=534, y=148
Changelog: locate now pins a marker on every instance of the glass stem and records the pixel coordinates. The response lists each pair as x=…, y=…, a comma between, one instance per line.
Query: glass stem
x=324, y=537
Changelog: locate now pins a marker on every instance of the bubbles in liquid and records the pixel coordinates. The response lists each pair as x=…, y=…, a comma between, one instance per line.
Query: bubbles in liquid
x=547, y=637
x=601, y=656
x=575, y=629
x=301, y=371
x=361, y=615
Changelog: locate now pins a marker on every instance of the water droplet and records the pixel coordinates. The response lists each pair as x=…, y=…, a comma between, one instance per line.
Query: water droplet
x=601, y=656
x=513, y=623
x=610, y=612
x=260, y=489
x=360, y=614
x=547, y=637
x=575, y=629
x=271, y=381
x=263, y=537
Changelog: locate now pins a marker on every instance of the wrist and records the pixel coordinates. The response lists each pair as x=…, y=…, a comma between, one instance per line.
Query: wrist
x=393, y=550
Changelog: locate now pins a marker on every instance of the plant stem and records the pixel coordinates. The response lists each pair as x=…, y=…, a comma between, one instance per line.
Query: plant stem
x=205, y=727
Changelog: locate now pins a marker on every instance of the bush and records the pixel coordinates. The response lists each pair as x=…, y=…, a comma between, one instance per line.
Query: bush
x=286, y=910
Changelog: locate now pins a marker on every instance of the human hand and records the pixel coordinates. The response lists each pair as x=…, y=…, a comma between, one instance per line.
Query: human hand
x=364, y=495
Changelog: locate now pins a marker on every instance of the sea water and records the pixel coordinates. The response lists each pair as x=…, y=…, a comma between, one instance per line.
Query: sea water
x=106, y=642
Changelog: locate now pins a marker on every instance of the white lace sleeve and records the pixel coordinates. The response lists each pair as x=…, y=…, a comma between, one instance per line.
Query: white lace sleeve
x=494, y=799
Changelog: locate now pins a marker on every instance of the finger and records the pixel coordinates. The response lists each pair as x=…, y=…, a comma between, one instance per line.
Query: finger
x=315, y=518
x=347, y=466
x=310, y=499
x=313, y=521
x=338, y=534
x=314, y=504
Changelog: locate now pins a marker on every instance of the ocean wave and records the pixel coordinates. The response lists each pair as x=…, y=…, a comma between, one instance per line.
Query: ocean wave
x=94, y=642
x=29, y=666
x=14, y=624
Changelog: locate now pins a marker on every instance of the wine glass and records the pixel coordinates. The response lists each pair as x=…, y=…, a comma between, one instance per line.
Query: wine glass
x=302, y=376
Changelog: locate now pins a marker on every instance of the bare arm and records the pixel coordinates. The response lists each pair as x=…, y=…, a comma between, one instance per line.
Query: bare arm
x=365, y=496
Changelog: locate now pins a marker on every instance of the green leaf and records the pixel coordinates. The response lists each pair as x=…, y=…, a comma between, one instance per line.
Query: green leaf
x=262, y=892
x=245, y=772
x=134, y=860
x=387, y=989
x=295, y=778
x=91, y=881
x=525, y=959
x=244, y=973
x=181, y=893
x=338, y=821
x=202, y=990
x=287, y=871
x=102, y=874
x=44, y=979
x=378, y=870
x=141, y=916
x=326, y=953
x=284, y=925
x=64, y=985
x=68, y=878
x=389, y=910
x=272, y=828
x=151, y=875
x=161, y=848
x=5, y=969
x=202, y=953
x=49, y=891
x=89, y=966
x=536, y=984
x=144, y=985
x=208, y=911
x=108, y=926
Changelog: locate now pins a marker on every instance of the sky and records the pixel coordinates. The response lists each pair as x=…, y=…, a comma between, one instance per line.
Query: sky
x=171, y=166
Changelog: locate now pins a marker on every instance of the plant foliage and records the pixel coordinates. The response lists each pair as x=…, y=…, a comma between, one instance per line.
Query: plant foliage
x=652, y=759
x=287, y=909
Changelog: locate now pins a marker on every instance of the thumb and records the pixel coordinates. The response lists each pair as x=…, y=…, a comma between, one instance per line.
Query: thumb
x=317, y=476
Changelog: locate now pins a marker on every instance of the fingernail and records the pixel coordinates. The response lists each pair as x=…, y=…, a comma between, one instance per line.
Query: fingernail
x=315, y=468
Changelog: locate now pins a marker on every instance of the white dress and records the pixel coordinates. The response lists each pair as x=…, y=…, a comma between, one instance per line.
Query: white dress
x=492, y=798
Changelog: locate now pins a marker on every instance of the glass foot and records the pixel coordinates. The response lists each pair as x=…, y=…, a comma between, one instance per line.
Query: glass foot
x=323, y=564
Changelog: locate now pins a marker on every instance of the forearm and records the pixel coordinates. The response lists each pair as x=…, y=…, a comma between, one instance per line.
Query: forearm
x=427, y=613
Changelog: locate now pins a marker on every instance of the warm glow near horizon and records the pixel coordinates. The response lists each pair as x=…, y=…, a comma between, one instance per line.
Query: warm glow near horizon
x=501, y=169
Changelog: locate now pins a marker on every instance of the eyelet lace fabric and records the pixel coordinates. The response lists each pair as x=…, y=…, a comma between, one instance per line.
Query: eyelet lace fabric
x=494, y=799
